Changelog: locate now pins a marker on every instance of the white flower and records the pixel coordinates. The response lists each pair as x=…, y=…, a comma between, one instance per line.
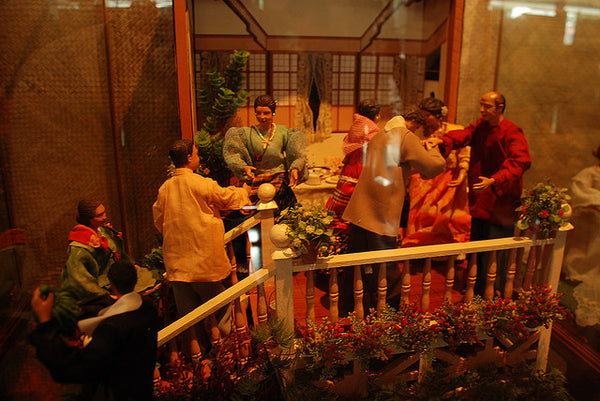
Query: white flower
x=310, y=229
x=296, y=243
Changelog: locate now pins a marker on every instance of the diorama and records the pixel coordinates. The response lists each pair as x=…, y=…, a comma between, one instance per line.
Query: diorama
x=367, y=199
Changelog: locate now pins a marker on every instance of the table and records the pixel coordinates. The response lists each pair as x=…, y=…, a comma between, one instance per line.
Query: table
x=314, y=195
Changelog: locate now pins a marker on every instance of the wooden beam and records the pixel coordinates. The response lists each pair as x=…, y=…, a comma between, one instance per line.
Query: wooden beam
x=455, y=28
x=252, y=25
x=299, y=44
x=183, y=55
x=375, y=28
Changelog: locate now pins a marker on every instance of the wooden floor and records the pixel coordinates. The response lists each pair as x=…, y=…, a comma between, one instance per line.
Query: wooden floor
x=438, y=280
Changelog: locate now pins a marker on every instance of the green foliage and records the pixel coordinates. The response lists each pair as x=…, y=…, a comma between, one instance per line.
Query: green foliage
x=309, y=226
x=520, y=383
x=154, y=260
x=219, y=101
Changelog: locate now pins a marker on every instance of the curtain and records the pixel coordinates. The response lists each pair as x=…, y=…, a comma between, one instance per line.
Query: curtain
x=314, y=68
x=304, y=115
x=322, y=77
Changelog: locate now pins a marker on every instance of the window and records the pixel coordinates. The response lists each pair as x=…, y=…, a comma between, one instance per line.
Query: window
x=255, y=79
x=377, y=79
x=343, y=75
x=285, y=72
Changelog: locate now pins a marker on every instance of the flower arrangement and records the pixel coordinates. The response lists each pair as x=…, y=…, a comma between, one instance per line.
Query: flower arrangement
x=369, y=339
x=497, y=316
x=309, y=228
x=543, y=209
x=325, y=348
x=412, y=328
x=539, y=307
x=458, y=323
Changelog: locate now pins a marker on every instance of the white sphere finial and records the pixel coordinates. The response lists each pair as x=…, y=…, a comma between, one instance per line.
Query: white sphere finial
x=266, y=192
x=278, y=235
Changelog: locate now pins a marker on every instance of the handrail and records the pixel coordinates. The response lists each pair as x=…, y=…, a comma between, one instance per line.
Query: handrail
x=242, y=228
x=213, y=305
x=418, y=252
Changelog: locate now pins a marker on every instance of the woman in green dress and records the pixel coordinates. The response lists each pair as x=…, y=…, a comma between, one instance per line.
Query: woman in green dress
x=266, y=152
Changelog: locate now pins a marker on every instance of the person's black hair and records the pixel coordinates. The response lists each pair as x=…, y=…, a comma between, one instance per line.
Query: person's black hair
x=433, y=106
x=368, y=108
x=415, y=115
x=596, y=153
x=179, y=152
x=265, y=101
x=86, y=211
x=123, y=276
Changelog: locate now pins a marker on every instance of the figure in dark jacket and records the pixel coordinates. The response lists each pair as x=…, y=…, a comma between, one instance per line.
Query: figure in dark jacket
x=118, y=362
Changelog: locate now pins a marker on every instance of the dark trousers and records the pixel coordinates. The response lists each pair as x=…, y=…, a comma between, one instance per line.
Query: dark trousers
x=482, y=230
x=361, y=240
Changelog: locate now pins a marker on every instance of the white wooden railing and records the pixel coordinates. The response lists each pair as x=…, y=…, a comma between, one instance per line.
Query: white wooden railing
x=543, y=265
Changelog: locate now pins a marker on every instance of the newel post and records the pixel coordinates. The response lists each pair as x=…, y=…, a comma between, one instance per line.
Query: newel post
x=276, y=255
x=553, y=277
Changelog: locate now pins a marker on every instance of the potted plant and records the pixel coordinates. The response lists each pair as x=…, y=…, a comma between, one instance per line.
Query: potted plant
x=310, y=230
x=543, y=209
x=219, y=100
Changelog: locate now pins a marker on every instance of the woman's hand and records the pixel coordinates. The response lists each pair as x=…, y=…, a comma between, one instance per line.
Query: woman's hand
x=459, y=180
x=293, y=177
x=432, y=142
x=42, y=307
x=249, y=171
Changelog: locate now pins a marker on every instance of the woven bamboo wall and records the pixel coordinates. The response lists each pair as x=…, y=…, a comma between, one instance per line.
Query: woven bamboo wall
x=71, y=77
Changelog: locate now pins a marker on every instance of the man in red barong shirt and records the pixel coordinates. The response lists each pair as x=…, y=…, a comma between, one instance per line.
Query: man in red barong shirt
x=499, y=157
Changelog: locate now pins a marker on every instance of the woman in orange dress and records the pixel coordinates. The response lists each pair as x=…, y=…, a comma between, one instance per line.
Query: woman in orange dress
x=439, y=208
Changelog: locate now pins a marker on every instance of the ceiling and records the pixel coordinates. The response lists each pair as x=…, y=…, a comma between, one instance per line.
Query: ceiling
x=323, y=18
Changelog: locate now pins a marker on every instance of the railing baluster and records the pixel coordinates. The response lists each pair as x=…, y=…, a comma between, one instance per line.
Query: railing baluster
x=261, y=304
x=426, y=284
x=239, y=322
x=510, y=273
x=471, y=279
x=381, y=287
x=405, y=289
x=546, y=264
x=215, y=333
x=310, y=295
x=519, y=274
x=334, y=296
x=539, y=254
x=531, y=266
x=358, y=292
x=491, y=275
x=450, y=273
